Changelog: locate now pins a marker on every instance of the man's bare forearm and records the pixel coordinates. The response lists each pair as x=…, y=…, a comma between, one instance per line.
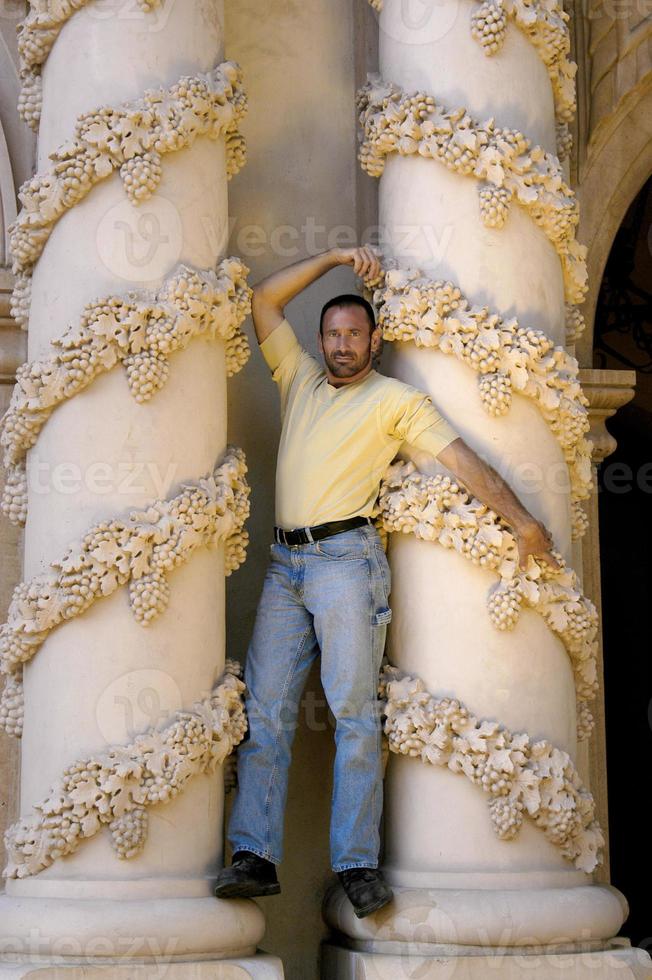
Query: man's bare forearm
x=282, y=286
x=483, y=482
x=272, y=293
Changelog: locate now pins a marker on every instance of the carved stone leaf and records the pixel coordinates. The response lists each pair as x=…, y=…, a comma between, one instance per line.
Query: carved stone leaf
x=107, y=553
x=556, y=616
x=435, y=755
x=50, y=608
x=122, y=763
x=55, y=803
x=465, y=137
x=140, y=550
x=86, y=794
x=160, y=755
x=587, y=846
x=490, y=534
x=526, y=788
x=90, y=824
x=121, y=802
x=97, y=133
x=108, y=583
x=474, y=736
x=51, y=199
x=103, y=166
x=108, y=356
x=501, y=760
x=137, y=323
x=462, y=762
x=530, y=590
x=525, y=191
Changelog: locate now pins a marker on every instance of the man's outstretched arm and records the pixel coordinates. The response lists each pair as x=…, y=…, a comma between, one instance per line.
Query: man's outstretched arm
x=271, y=295
x=483, y=482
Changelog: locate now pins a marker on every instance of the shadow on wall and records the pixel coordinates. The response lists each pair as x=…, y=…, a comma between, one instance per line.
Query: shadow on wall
x=626, y=568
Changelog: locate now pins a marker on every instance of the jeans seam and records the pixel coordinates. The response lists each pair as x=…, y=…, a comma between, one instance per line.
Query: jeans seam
x=267, y=854
x=359, y=864
x=274, y=770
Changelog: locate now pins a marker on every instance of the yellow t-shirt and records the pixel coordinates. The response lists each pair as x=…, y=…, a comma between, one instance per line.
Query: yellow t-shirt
x=336, y=443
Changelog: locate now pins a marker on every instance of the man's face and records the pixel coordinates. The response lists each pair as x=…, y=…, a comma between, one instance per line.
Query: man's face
x=348, y=343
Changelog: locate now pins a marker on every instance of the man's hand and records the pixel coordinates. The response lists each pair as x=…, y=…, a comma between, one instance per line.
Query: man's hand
x=364, y=260
x=484, y=483
x=533, y=538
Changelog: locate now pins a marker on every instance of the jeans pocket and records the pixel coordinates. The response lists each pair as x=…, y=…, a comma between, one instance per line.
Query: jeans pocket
x=346, y=546
x=382, y=617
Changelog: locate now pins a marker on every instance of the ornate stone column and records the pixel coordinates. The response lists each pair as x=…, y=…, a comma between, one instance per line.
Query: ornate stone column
x=115, y=444
x=463, y=126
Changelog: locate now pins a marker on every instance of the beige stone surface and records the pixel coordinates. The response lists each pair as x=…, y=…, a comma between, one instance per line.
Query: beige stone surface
x=625, y=963
x=249, y=968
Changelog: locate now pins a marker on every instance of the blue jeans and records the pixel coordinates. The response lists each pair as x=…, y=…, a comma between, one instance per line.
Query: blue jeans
x=329, y=597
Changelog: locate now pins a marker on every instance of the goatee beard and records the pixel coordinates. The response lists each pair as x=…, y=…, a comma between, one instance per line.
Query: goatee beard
x=347, y=368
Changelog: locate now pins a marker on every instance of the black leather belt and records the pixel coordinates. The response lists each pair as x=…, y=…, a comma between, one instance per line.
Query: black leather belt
x=306, y=535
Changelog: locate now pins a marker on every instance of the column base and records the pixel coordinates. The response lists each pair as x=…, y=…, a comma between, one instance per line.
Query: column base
x=482, y=917
x=617, y=960
x=258, y=967
x=146, y=931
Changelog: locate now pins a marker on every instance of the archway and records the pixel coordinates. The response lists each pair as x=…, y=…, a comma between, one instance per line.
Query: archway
x=623, y=339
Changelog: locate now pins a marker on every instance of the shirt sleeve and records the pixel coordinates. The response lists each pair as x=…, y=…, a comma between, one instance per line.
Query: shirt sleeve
x=418, y=422
x=281, y=349
x=285, y=358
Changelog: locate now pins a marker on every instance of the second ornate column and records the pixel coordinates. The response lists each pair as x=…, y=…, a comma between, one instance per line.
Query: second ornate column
x=115, y=443
x=490, y=836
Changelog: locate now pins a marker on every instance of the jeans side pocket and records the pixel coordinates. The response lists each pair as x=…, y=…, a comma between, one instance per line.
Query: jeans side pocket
x=382, y=617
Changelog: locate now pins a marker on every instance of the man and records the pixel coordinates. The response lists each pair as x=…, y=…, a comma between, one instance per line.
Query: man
x=327, y=586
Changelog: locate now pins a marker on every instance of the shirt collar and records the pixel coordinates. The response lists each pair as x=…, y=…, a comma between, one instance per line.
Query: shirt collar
x=354, y=385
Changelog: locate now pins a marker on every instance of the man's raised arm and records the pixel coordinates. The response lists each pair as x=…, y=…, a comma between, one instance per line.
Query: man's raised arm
x=483, y=482
x=270, y=295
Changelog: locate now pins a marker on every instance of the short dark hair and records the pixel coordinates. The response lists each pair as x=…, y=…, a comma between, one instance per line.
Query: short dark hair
x=349, y=299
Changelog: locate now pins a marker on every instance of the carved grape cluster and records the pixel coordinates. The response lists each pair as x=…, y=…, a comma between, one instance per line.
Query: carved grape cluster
x=12, y=707
x=494, y=205
x=545, y=23
x=141, y=176
x=140, y=551
x=504, y=606
x=521, y=777
x=434, y=508
x=140, y=330
x=501, y=158
x=506, y=356
x=114, y=788
x=131, y=139
x=129, y=832
x=489, y=25
x=575, y=324
x=37, y=33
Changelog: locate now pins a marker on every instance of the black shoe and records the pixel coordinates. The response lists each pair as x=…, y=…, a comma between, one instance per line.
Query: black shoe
x=248, y=876
x=366, y=888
